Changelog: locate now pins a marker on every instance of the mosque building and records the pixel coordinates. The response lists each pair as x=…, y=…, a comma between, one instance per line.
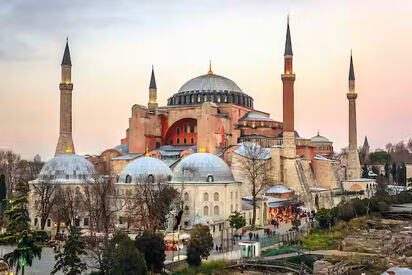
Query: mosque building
x=196, y=144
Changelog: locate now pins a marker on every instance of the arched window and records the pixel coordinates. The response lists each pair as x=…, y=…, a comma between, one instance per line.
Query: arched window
x=198, y=98
x=128, y=179
x=186, y=196
x=219, y=98
x=210, y=178
x=216, y=210
x=184, y=140
x=178, y=141
x=193, y=99
x=231, y=208
x=216, y=196
x=177, y=130
x=150, y=178
x=206, y=197
x=205, y=211
x=171, y=142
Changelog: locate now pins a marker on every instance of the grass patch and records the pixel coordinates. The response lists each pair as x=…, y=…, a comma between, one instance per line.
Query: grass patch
x=322, y=240
x=206, y=268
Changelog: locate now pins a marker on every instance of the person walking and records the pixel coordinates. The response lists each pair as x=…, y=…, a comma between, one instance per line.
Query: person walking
x=250, y=235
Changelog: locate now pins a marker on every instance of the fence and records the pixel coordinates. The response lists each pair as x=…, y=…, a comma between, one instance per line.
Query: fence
x=281, y=238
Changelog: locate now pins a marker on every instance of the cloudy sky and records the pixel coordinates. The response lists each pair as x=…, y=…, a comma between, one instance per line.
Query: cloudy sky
x=114, y=44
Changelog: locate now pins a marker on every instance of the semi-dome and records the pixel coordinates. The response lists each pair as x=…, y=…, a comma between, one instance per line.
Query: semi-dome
x=67, y=168
x=202, y=168
x=210, y=87
x=143, y=170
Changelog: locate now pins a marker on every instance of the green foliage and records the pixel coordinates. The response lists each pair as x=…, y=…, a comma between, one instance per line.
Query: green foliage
x=121, y=257
x=199, y=245
x=322, y=240
x=346, y=212
x=380, y=157
x=153, y=247
x=295, y=224
x=27, y=249
x=325, y=217
x=206, y=268
x=365, y=172
x=237, y=220
x=3, y=193
x=69, y=260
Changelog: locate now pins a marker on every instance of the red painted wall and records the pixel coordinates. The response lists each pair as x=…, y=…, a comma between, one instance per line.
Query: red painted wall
x=177, y=132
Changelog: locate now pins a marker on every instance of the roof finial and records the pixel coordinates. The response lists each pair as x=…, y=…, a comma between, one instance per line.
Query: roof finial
x=202, y=148
x=69, y=150
x=210, y=67
x=147, y=150
x=318, y=133
x=288, y=19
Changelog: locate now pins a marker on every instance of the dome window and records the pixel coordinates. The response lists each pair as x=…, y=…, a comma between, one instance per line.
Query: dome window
x=128, y=179
x=210, y=178
x=205, y=211
x=206, y=197
x=216, y=196
x=177, y=130
x=192, y=140
x=186, y=196
x=184, y=140
x=150, y=178
x=216, y=210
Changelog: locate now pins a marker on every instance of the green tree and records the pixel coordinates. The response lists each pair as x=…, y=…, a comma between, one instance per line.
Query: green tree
x=69, y=260
x=379, y=157
x=18, y=232
x=3, y=193
x=121, y=257
x=237, y=220
x=295, y=224
x=365, y=172
x=153, y=246
x=199, y=245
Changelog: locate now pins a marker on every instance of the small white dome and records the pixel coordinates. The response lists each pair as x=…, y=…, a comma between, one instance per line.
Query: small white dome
x=202, y=168
x=140, y=169
x=67, y=168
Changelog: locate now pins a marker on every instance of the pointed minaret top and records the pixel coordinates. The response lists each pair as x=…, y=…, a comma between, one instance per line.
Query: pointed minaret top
x=351, y=71
x=152, y=80
x=366, y=143
x=66, y=57
x=210, y=67
x=288, y=43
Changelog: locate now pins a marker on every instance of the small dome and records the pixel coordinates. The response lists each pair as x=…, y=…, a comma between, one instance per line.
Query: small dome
x=278, y=189
x=319, y=138
x=202, y=168
x=67, y=168
x=255, y=116
x=140, y=169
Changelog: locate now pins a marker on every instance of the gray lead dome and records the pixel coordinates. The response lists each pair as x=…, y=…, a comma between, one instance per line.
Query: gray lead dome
x=212, y=88
x=67, y=168
x=202, y=168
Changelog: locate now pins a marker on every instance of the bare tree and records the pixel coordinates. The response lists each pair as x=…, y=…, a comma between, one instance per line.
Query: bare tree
x=255, y=168
x=9, y=166
x=45, y=200
x=69, y=205
x=101, y=202
x=152, y=202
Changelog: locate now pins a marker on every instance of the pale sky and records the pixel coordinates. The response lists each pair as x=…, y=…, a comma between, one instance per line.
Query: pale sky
x=114, y=44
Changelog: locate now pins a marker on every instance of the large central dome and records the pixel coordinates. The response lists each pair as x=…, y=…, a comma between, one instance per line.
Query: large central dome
x=210, y=83
x=210, y=87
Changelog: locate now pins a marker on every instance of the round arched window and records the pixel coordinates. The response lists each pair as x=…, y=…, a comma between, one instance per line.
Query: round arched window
x=150, y=178
x=216, y=196
x=205, y=211
x=186, y=196
x=205, y=197
x=216, y=210
x=128, y=179
x=210, y=178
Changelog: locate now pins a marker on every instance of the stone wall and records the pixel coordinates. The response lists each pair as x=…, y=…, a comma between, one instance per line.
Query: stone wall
x=324, y=174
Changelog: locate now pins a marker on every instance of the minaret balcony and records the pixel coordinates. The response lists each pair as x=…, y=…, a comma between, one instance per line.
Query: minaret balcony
x=64, y=86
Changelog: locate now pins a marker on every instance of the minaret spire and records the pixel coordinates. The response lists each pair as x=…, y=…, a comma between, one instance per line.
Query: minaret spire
x=288, y=43
x=152, y=105
x=210, y=67
x=66, y=56
x=152, y=80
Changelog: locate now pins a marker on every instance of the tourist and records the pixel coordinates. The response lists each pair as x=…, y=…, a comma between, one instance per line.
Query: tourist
x=250, y=235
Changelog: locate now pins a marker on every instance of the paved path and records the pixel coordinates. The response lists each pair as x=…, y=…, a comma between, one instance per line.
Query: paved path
x=321, y=252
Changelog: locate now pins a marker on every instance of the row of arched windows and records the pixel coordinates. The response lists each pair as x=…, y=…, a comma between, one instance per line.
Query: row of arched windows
x=205, y=196
x=215, y=211
x=243, y=100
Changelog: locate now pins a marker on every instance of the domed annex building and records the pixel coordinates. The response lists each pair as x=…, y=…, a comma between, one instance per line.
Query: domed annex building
x=67, y=173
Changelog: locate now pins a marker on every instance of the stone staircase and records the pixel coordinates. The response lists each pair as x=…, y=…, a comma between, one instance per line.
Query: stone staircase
x=307, y=197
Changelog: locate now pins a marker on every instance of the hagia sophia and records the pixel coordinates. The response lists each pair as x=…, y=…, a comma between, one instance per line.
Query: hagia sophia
x=197, y=141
